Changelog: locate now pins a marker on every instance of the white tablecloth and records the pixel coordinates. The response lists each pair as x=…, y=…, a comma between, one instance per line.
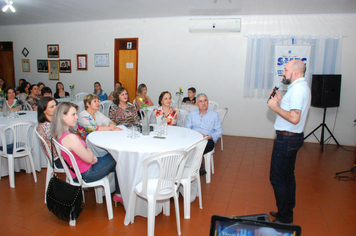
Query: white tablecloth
x=40, y=159
x=130, y=153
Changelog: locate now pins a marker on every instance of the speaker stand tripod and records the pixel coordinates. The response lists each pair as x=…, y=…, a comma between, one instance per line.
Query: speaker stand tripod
x=323, y=125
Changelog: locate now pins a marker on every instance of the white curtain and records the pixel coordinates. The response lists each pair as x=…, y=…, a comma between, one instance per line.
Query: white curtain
x=259, y=72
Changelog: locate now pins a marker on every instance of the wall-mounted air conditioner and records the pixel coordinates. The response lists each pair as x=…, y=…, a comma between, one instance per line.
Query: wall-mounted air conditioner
x=215, y=25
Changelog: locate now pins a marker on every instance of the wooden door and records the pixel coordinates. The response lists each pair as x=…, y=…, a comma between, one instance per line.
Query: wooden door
x=126, y=57
x=7, y=69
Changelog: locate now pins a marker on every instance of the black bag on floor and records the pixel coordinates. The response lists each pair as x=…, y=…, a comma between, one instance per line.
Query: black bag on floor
x=63, y=199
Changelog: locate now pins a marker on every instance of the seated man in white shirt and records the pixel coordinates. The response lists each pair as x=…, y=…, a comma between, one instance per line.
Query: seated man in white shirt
x=205, y=121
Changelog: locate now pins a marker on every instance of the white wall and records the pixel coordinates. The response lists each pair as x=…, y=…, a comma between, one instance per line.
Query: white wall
x=170, y=56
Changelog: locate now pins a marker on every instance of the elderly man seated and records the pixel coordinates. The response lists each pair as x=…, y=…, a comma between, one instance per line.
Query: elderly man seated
x=205, y=121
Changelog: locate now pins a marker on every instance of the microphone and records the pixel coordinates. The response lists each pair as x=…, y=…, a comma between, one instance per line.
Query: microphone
x=273, y=92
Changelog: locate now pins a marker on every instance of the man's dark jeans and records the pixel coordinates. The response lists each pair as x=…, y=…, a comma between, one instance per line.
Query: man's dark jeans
x=282, y=173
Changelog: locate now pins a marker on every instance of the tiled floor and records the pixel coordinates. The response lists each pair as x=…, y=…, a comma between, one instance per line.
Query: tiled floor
x=240, y=186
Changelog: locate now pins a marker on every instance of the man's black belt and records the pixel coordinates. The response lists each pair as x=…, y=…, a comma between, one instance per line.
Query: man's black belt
x=287, y=133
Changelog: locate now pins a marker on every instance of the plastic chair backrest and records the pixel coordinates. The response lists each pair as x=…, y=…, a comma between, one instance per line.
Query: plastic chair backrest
x=105, y=106
x=222, y=113
x=27, y=106
x=60, y=148
x=195, y=156
x=20, y=134
x=80, y=96
x=45, y=147
x=213, y=105
x=171, y=165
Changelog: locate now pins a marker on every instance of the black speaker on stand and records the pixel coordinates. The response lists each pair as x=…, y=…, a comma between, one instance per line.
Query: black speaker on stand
x=325, y=93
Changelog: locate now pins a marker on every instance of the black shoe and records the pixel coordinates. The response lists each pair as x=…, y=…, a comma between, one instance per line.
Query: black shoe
x=202, y=171
x=290, y=221
x=273, y=214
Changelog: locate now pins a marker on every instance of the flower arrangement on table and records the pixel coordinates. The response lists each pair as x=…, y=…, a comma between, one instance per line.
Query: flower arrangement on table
x=144, y=105
x=2, y=94
x=180, y=92
x=71, y=87
x=2, y=97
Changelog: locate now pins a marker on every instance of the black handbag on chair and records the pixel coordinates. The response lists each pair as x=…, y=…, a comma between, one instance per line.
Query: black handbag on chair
x=63, y=199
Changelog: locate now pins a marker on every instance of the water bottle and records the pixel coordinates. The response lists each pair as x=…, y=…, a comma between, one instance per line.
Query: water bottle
x=5, y=109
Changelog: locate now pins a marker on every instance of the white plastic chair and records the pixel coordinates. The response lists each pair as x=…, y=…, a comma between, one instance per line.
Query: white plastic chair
x=213, y=105
x=222, y=113
x=21, y=132
x=191, y=173
x=104, y=182
x=27, y=106
x=48, y=154
x=162, y=188
x=209, y=165
x=80, y=96
x=105, y=106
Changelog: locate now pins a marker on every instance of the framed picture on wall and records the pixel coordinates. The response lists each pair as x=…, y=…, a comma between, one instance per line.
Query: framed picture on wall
x=26, y=65
x=42, y=66
x=101, y=60
x=53, y=50
x=65, y=66
x=82, y=61
x=53, y=72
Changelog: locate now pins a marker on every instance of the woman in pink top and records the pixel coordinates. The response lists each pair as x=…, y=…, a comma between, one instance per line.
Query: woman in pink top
x=92, y=168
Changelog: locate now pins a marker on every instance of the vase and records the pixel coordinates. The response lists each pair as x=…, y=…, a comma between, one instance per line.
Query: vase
x=72, y=97
x=145, y=125
x=179, y=103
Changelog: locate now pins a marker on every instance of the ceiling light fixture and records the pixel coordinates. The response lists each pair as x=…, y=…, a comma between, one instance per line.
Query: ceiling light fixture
x=8, y=6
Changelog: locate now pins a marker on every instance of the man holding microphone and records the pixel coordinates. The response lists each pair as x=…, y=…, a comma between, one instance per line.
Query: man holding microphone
x=292, y=110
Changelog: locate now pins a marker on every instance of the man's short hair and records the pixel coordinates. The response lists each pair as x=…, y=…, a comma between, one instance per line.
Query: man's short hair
x=202, y=95
x=46, y=90
x=192, y=89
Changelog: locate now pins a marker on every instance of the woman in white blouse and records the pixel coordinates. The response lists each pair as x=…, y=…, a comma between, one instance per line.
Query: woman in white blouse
x=91, y=119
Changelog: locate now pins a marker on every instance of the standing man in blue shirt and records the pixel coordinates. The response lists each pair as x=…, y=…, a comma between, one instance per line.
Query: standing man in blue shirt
x=205, y=121
x=292, y=111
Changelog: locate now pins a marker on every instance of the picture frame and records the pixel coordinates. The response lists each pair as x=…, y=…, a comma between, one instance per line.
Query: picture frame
x=53, y=69
x=53, y=50
x=25, y=52
x=42, y=66
x=26, y=65
x=65, y=66
x=82, y=61
x=101, y=60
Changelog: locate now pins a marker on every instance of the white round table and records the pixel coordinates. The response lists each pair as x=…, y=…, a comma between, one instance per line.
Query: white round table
x=130, y=153
x=40, y=159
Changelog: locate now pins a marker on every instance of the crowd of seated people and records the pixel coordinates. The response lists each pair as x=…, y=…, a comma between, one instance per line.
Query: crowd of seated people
x=61, y=121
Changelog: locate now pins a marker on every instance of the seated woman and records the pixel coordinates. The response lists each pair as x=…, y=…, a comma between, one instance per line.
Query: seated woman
x=123, y=112
x=117, y=85
x=33, y=97
x=23, y=91
x=98, y=91
x=92, y=168
x=60, y=93
x=173, y=117
x=91, y=119
x=142, y=93
x=45, y=111
x=11, y=102
x=22, y=80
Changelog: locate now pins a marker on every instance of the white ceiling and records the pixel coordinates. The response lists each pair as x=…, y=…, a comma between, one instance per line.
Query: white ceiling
x=53, y=11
